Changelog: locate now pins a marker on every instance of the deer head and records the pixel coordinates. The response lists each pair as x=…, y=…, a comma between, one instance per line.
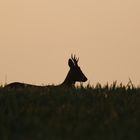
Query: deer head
x=75, y=74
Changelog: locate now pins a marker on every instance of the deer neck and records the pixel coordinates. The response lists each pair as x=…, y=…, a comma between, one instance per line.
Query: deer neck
x=68, y=80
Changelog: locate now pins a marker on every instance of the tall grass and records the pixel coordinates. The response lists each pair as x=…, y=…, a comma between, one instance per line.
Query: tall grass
x=93, y=112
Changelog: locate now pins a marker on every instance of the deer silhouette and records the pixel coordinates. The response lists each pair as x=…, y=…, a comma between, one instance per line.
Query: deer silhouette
x=74, y=75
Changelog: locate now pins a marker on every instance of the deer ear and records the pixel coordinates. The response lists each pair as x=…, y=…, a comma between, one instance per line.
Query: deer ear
x=71, y=64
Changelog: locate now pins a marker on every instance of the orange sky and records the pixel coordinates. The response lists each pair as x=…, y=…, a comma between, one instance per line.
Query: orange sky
x=38, y=36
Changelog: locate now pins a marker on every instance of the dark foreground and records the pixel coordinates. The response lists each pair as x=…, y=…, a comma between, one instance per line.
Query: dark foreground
x=99, y=113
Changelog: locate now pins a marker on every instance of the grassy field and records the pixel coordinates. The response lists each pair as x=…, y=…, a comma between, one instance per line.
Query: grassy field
x=85, y=113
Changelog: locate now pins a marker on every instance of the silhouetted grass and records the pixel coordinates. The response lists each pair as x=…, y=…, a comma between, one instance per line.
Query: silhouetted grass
x=97, y=112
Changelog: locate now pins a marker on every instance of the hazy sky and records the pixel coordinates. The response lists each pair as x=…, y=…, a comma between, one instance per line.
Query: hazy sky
x=38, y=36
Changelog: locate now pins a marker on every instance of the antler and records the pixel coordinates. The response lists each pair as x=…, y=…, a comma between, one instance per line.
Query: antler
x=75, y=60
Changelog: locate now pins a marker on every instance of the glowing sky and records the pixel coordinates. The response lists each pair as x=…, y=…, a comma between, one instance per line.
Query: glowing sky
x=38, y=36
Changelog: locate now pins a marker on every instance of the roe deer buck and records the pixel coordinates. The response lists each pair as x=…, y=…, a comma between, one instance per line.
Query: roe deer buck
x=74, y=75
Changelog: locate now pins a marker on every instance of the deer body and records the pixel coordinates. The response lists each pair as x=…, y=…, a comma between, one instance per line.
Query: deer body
x=74, y=75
